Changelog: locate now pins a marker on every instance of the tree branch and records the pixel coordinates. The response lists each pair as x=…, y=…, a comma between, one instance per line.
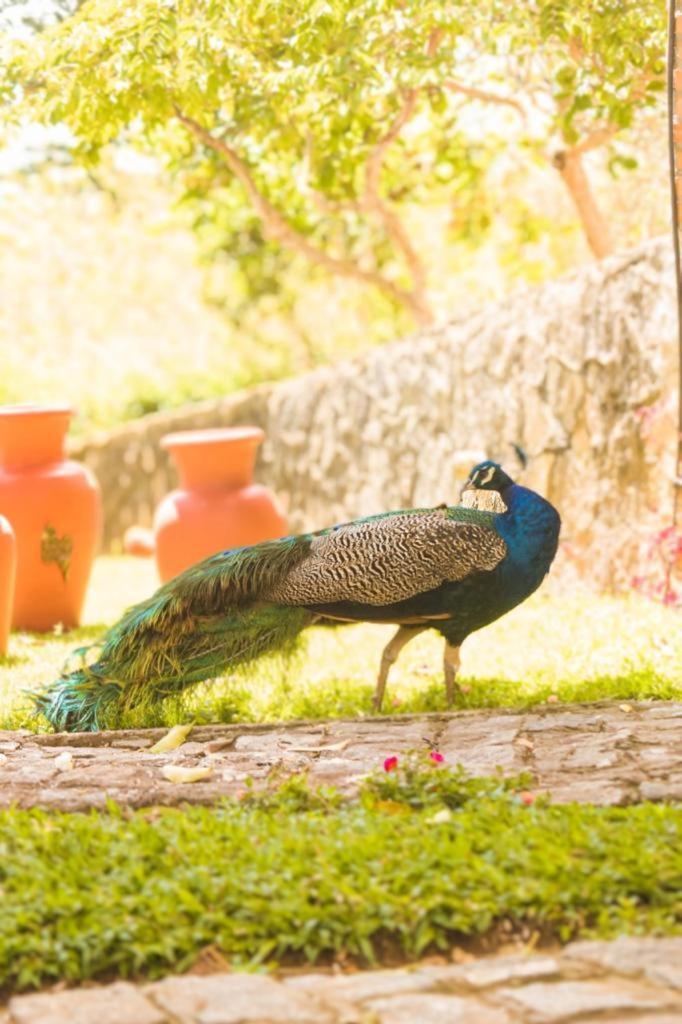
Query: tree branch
x=321, y=201
x=595, y=139
x=373, y=202
x=568, y=163
x=604, y=134
x=485, y=96
x=278, y=229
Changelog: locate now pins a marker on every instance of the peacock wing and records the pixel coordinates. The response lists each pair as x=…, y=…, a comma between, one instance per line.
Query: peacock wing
x=386, y=559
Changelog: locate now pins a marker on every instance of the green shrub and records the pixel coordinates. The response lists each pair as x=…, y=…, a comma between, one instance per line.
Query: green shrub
x=421, y=858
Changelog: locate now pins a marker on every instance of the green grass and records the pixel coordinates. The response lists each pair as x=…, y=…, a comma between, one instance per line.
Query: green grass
x=297, y=876
x=577, y=647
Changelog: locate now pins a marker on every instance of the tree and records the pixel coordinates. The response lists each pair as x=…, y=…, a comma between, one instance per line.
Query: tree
x=35, y=15
x=307, y=130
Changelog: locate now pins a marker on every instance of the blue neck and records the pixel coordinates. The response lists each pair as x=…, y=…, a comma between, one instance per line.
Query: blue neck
x=530, y=529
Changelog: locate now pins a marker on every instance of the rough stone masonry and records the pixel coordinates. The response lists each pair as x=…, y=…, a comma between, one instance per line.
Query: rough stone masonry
x=602, y=753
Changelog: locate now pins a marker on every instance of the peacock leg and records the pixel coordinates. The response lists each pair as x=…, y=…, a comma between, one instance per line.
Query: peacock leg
x=390, y=655
x=451, y=663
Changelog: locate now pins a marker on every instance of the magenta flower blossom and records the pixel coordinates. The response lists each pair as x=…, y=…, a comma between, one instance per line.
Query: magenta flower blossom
x=390, y=764
x=436, y=757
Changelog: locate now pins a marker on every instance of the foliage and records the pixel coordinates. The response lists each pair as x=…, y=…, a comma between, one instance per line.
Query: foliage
x=303, y=875
x=25, y=16
x=86, y=316
x=309, y=131
x=103, y=303
x=568, y=647
x=420, y=783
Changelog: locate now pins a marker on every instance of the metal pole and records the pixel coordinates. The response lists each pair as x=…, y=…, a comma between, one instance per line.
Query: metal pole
x=674, y=83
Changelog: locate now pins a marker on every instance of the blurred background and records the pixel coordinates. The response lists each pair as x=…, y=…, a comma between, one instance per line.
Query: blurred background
x=439, y=155
x=202, y=204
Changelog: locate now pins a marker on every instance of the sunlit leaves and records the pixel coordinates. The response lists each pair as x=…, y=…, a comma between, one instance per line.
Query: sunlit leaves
x=273, y=74
x=305, y=90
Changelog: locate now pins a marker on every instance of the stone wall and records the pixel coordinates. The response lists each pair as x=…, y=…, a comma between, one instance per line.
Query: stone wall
x=575, y=372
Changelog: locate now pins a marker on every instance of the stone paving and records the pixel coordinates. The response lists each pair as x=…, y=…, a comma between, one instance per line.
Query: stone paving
x=638, y=981
x=602, y=753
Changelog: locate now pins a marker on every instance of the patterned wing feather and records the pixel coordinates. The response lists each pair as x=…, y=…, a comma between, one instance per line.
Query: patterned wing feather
x=387, y=559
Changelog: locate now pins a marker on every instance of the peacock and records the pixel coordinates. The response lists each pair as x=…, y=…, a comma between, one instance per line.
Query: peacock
x=450, y=568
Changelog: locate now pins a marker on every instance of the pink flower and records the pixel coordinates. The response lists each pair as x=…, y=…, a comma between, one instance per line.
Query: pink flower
x=391, y=764
x=552, y=699
x=436, y=757
x=464, y=688
x=527, y=798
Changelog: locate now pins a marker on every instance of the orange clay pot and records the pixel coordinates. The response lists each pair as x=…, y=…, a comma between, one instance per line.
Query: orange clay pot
x=217, y=506
x=55, y=511
x=8, y=565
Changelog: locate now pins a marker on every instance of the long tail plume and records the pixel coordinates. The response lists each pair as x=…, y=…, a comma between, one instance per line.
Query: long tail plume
x=204, y=622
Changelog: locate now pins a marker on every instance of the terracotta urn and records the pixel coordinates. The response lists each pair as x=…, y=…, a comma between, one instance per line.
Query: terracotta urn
x=54, y=508
x=217, y=506
x=8, y=565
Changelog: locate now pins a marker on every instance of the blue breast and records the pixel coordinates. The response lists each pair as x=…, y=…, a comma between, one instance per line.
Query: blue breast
x=530, y=529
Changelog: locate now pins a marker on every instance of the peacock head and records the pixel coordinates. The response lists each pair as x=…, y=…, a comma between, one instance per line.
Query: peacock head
x=488, y=476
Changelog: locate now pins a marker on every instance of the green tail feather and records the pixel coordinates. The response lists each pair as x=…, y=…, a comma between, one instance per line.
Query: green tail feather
x=204, y=622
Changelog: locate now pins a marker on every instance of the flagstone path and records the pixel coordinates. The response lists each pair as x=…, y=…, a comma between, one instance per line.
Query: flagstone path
x=632, y=981
x=601, y=753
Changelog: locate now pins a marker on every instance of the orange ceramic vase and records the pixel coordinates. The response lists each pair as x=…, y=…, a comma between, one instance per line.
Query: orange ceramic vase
x=8, y=565
x=218, y=506
x=54, y=508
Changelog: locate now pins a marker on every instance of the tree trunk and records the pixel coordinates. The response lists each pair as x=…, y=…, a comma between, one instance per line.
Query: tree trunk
x=675, y=140
x=570, y=166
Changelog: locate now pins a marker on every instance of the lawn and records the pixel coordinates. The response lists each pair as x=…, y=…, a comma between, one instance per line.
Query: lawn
x=574, y=647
